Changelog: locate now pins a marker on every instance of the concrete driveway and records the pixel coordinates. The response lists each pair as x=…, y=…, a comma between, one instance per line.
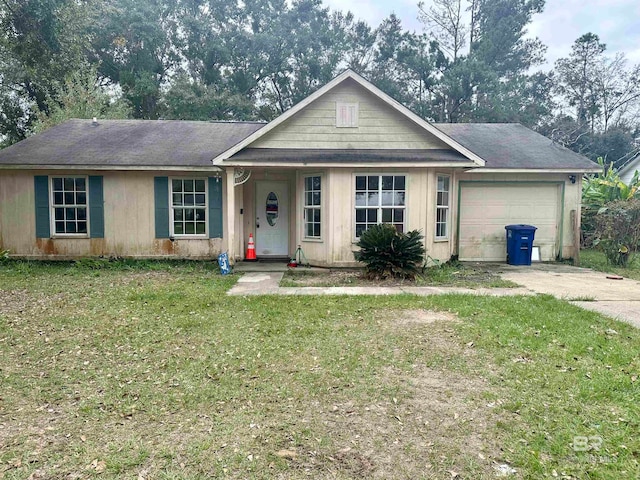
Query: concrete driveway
x=581, y=286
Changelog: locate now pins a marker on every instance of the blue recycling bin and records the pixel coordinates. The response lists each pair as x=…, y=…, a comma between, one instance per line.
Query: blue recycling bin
x=520, y=243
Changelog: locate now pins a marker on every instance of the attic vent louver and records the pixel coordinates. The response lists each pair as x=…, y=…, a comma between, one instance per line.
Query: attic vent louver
x=346, y=115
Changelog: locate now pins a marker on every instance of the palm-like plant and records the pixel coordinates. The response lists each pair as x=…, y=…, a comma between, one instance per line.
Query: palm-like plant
x=388, y=253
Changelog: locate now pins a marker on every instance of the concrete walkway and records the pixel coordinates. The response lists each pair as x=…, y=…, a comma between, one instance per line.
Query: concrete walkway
x=619, y=299
x=585, y=288
x=266, y=283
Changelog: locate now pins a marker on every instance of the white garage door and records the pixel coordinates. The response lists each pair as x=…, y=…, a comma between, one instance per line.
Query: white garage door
x=485, y=209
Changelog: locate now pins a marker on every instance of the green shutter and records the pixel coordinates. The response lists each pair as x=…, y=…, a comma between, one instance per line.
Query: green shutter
x=215, y=207
x=96, y=208
x=161, y=185
x=43, y=225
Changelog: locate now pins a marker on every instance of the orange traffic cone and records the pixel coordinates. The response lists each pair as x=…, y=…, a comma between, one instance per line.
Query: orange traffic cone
x=251, y=250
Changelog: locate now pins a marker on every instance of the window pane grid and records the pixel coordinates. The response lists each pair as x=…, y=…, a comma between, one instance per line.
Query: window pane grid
x=189, y=206
x=380, y=199
x=69, y=204
x=312, y=206
x=442, y=206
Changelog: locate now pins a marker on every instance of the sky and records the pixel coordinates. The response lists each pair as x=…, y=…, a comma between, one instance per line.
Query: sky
x=616, y=22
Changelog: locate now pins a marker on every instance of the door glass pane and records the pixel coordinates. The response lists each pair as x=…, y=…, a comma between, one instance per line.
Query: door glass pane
x=272, y=209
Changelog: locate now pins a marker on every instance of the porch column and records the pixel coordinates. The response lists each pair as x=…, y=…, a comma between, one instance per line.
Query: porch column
x=231, y=215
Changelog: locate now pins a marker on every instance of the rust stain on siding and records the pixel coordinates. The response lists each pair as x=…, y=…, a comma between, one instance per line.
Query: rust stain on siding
x=97, y=247
x=165, y=247
x=47, y=246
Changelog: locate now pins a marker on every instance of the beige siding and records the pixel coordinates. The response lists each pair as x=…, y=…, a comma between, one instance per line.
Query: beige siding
x=129, y=215
x=129, y=220
x=380, y=126
x=339, y=243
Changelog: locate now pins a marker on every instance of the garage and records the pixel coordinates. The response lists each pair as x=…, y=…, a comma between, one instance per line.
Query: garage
x=486, y=207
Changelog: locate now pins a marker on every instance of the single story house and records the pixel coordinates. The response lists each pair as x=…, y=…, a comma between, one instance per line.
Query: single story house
x=347, y=157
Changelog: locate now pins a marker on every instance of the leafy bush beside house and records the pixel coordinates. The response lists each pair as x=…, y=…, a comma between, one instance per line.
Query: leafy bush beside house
x=388, y=253
x=617, y=230
x=599, y=190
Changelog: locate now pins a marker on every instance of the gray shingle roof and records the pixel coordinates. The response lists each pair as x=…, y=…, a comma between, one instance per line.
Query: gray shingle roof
x=129, y=143
x=177, y=143
x=316, y=155
x=511, y=145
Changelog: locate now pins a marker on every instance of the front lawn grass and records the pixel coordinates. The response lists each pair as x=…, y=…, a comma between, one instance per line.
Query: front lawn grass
x=151, y=371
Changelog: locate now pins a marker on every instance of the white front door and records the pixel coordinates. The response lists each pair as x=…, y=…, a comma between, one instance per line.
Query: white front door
x=272, y=218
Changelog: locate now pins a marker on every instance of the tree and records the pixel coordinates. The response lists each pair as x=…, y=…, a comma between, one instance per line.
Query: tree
x=189, y=99
x=489, y=68
x=617, y=90
x=134, y=46
x=577, y=77
x=41, y=42
x=605, y=96
x=445, y=21
x=80, y=96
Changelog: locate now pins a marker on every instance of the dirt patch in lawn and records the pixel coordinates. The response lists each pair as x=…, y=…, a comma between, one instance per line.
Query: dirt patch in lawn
x=420, y=317
x=23, y=304
x=439, y=425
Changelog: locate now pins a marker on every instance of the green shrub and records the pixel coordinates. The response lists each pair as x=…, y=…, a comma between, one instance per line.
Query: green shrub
x=600, y=189
x=388, y=253
x=617, y=230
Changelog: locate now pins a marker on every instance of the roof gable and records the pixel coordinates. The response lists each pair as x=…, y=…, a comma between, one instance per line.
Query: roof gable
x=379, y=126
x=439, y=138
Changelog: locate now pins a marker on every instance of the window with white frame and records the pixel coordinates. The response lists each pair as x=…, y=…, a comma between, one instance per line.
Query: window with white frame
x=346, y=115
x=69, y=205
x=380, y=199
x=442, y=206
x=188, y=206
x=312, y=206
